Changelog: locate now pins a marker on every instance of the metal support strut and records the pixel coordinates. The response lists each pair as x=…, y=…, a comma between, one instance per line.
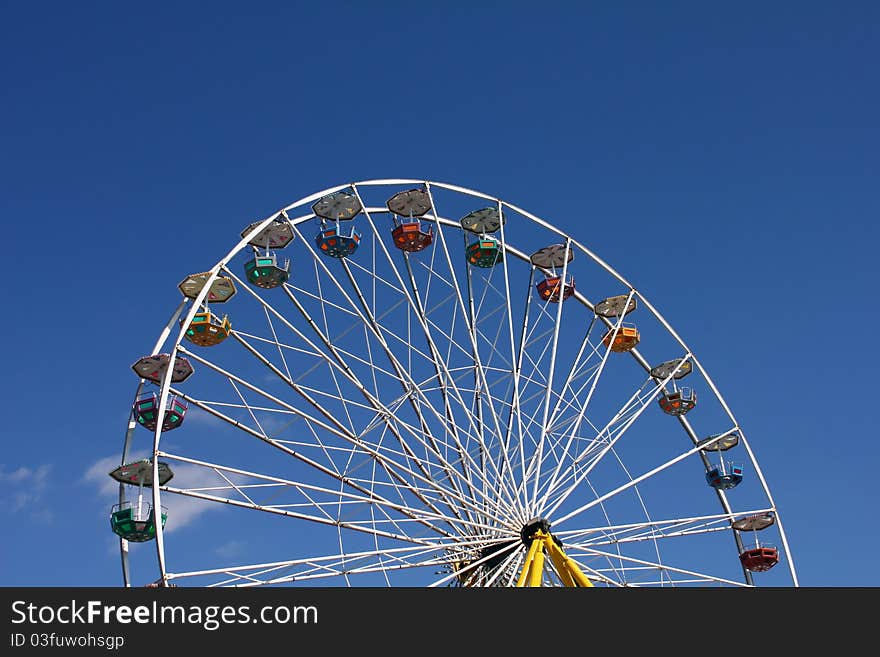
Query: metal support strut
x=536, y=535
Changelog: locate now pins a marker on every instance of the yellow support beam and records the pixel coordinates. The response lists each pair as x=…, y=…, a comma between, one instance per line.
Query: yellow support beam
x=536, y=576
x=565, y=564
x=527, y=566
x=557, y=556
x=566, y=567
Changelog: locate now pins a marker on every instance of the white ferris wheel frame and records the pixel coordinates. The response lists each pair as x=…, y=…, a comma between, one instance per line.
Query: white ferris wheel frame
x=183, y=319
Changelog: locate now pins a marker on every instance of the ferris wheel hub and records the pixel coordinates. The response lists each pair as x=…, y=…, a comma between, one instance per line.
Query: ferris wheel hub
x=531, y=529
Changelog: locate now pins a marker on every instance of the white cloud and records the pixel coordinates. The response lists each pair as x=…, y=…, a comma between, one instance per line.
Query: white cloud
x=272, y=422
x=182, y=510
x=196, y=415
x=99, y=474
x=22, y=489
x=231, y=549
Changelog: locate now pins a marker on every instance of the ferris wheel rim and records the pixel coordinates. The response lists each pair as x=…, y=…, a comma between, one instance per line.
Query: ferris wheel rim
x=216, y=271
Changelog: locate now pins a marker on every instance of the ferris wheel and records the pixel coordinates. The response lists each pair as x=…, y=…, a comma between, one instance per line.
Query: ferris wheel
x=410, y=383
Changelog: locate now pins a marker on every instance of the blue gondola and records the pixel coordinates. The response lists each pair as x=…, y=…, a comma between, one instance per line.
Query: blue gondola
x=336, y=243
x=721, y=477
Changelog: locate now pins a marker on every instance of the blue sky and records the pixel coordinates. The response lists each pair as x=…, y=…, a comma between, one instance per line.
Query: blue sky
x=722, y=158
